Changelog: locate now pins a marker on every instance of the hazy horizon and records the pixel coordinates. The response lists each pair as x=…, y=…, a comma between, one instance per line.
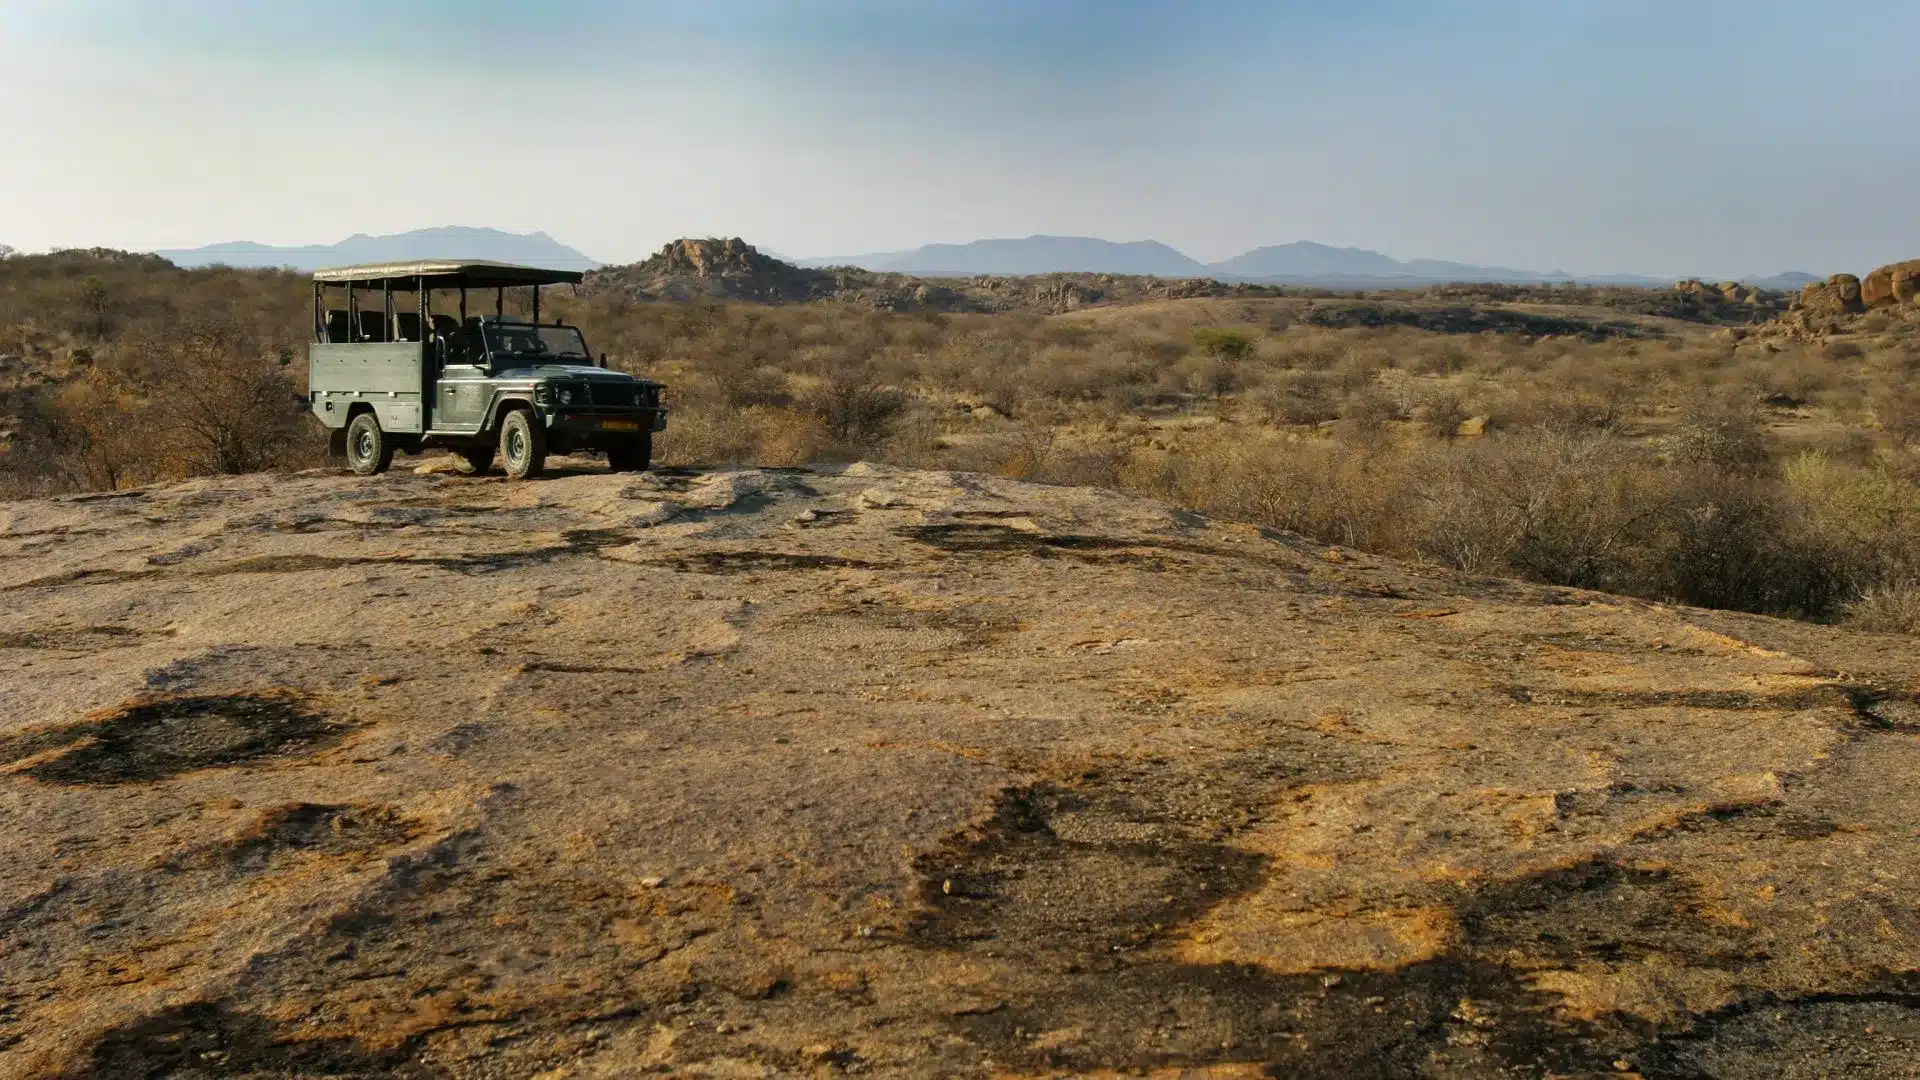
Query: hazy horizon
x=1595, y=138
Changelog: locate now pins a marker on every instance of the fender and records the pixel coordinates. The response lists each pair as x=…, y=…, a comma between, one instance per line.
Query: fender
x=501, y=399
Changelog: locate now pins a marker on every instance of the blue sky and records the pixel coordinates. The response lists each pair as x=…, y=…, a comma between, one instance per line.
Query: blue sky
x=1708, y=137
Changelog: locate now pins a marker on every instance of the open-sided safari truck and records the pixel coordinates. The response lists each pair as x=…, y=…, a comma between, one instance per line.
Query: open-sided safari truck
x=386, y=371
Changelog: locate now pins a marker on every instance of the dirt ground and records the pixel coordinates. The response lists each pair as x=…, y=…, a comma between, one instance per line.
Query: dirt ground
x=867, y=770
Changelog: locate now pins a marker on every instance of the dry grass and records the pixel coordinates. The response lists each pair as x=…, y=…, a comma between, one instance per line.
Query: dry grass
x=1640, y=455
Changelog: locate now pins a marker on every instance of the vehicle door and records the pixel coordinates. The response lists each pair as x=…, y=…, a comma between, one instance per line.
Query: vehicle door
x=460, y=394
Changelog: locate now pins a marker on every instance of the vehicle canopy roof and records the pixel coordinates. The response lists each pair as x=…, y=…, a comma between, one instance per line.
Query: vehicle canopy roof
x=445, y=274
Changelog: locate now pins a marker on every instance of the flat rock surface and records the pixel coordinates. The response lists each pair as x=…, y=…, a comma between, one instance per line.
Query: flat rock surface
x=864, y=770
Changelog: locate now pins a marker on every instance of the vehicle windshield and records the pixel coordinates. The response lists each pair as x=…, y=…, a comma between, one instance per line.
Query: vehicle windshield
x=537, y=344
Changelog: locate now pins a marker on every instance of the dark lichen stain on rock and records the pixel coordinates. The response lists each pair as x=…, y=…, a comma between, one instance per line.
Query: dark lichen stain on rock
x=318, y=829
x=1087, y=922
x=214, y=1041
x=154, y=739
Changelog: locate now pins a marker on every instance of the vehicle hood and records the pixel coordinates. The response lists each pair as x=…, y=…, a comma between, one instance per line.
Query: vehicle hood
x=576, y=372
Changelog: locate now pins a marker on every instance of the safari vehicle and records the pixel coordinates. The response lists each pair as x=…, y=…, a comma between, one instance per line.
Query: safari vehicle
x=386, y=372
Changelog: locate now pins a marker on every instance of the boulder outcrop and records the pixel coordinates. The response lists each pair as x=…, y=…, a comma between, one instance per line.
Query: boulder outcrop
x=859, y=769
x=1891, y=285
x=1838, y=295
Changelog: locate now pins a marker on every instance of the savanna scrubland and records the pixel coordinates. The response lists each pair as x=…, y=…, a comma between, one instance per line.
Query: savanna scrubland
x=1633, y=441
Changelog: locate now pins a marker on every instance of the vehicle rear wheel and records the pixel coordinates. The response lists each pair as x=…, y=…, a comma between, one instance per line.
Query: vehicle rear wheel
x=523, y=445
x=478, y=458
x=633, y=455
x=369, y=451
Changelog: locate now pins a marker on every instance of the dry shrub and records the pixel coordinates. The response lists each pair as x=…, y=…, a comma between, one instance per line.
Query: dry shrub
x=1718, y=433
x=1797, y=377
x=1367, y=410
x=226, y=409
x=1443, y=411
x=1101, y=463
x=1553, y=408
x=1026, y=452
x=1865, y=520
x=1294, y=397
x=207, y=401
x=739, y=383
x=1729, y=542
x=93, y=436
x=1322, y=488
x=709, y=435
x=1898, y=414
x=853, y=407
x=1893, y=608
x=1851, y=446
x=1571, y=509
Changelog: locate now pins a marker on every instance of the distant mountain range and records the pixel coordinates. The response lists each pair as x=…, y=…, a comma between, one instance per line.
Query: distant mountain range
x=449, y=242
x=1033, y=255
x=1299, y=263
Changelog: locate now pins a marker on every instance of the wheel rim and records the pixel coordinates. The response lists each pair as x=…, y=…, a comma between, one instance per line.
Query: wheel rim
x=516, y=445
x=363, y=445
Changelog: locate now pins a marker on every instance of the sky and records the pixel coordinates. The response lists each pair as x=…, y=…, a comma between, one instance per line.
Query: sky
x=1710, y=137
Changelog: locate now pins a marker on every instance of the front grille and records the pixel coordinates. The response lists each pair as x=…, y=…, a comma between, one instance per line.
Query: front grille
x=616, y=395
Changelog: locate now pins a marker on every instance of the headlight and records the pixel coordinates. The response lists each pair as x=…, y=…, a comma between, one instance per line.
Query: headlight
x=543, y=394
x=566, y=396
x=639, y=396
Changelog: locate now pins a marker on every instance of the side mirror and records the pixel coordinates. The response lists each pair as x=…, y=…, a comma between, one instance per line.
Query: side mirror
x=603, y=359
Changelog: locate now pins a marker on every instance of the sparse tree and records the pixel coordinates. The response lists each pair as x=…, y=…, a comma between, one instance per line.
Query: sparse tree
x=97, y=301
x=1225, y=348
x=1229, y=345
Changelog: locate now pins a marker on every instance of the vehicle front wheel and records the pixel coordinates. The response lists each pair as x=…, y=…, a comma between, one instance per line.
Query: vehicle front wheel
x=369, y=451
x=631, y=456
x=478, y=458
x=523, y=445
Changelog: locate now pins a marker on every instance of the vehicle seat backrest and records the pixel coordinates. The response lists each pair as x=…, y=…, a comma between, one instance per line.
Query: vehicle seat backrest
x=406, y=326
x=337, y=326
x=445, y=325
x=370, y=328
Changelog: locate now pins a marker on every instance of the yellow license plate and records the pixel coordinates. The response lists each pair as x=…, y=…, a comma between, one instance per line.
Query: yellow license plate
x=619, y=425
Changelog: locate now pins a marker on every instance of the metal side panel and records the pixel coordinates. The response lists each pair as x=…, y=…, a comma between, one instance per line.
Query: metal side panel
x=400, y=414
x=385, y=375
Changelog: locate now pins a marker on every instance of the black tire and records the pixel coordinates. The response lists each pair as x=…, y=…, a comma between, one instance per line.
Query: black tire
x=478, y=458
x=523, y=445
x=631, y=456
x=369, y=450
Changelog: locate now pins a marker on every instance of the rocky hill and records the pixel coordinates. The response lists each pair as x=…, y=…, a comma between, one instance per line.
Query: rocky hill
x=863, y=770
x=735, y=270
